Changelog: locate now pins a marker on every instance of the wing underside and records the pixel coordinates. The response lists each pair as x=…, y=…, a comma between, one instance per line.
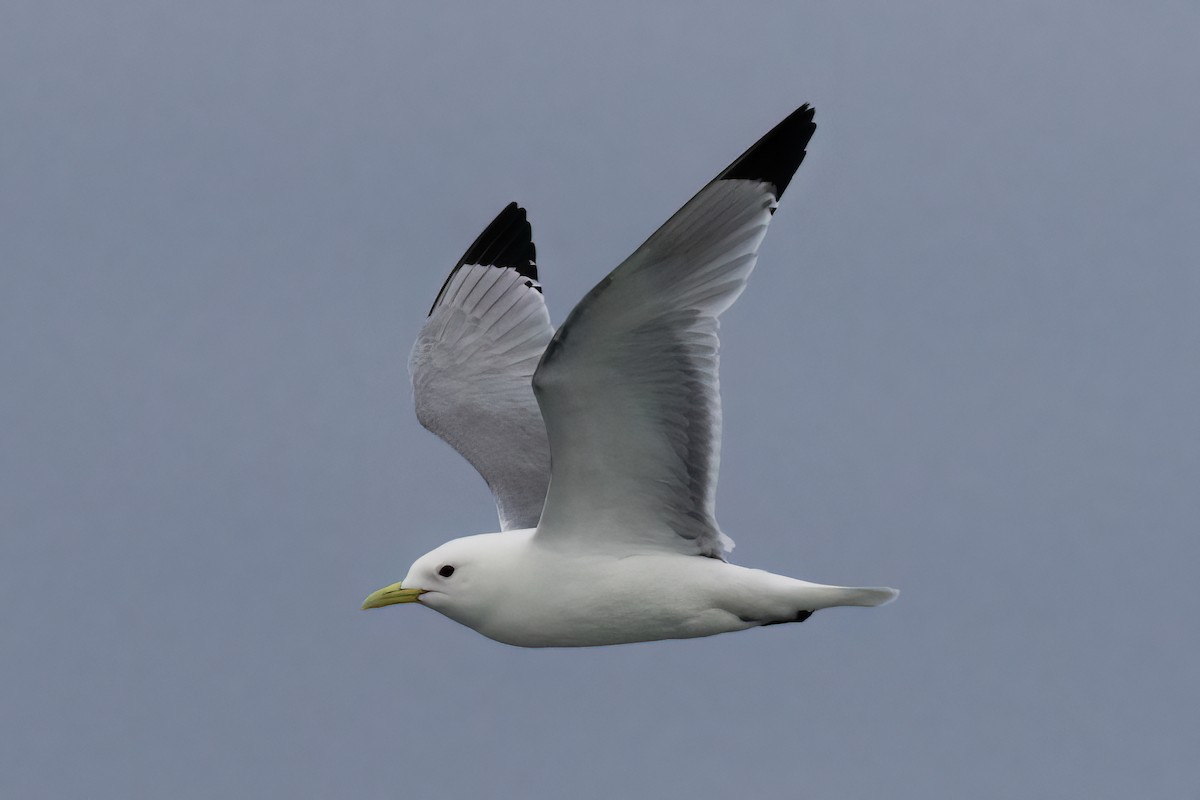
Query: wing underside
x=473, y=362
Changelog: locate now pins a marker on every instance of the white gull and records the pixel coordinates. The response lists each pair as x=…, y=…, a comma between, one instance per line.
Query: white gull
x=600, y=442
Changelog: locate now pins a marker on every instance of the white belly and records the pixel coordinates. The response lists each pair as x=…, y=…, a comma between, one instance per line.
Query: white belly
x=601, y=601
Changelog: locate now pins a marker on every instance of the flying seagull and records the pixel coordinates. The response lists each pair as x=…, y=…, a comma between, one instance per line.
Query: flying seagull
x=600, y=441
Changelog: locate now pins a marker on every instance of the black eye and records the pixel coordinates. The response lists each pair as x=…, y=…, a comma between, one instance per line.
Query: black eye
x=446, y=571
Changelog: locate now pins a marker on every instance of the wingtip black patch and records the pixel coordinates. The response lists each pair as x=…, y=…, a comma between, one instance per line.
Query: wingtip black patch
x=777, y=155
x=507, y=241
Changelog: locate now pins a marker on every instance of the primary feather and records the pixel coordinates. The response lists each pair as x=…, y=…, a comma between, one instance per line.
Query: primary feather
x=628, y=386
x=473, y=361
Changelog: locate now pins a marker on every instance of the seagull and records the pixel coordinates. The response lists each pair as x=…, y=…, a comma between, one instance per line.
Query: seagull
x=600, y=441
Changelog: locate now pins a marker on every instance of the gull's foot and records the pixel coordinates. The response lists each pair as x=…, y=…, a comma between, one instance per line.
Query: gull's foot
x=801, y=615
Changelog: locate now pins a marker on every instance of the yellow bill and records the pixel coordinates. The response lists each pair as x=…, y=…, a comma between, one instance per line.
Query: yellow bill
x=391, y=595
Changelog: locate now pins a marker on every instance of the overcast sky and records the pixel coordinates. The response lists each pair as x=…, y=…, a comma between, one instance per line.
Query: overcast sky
x=967, y=366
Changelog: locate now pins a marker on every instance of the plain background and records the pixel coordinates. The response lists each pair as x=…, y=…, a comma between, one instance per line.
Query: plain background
x=966, y=367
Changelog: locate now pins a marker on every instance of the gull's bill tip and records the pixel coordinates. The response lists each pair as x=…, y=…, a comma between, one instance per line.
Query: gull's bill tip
x=391, y=595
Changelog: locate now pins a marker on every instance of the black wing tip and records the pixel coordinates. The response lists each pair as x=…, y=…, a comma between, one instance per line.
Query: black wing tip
x=775, y=157
x=507, y=241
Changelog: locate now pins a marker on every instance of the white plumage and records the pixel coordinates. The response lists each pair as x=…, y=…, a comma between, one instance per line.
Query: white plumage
x=626, y=546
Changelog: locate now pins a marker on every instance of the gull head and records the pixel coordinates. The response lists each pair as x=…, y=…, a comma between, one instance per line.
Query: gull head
x=463, y=579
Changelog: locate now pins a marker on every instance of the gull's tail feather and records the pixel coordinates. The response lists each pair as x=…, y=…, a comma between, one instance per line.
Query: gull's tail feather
x=865, y=596
x=815, y=596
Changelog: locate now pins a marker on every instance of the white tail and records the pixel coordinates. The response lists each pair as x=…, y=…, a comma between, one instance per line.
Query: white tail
x=815, y=596
x=862, y=596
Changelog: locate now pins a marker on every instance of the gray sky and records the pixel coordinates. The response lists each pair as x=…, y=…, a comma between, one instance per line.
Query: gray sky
x=966, y=367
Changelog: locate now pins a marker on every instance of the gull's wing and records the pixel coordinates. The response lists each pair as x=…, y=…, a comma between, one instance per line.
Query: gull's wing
x=628, y=386
x=473, y=361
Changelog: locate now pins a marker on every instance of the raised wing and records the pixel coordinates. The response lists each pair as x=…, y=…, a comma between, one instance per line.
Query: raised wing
x=628, y=385
x=473, y=361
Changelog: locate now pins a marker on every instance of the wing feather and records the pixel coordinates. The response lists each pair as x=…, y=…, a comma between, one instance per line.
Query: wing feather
x=628, y=386
x=473, y=362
